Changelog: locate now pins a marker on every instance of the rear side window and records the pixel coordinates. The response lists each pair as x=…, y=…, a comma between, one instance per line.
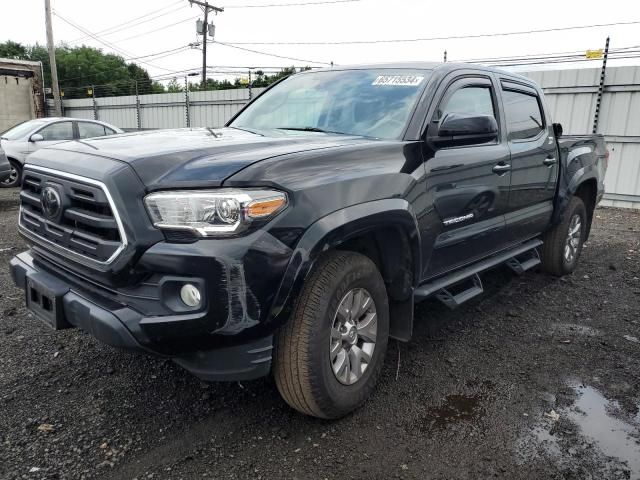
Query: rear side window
x=523, y=114
x=88, y=130
x=472, y=100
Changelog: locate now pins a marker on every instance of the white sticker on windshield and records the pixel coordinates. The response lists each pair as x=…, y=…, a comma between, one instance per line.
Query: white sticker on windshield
x=399, y=80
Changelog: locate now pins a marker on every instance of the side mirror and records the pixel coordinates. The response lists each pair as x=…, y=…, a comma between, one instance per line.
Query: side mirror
x=36, y=137
x=557, y=130
x=456, y=124
x=460, y=129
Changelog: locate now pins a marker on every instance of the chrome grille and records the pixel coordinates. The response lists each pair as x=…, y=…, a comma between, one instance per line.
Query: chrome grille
x=80, y=221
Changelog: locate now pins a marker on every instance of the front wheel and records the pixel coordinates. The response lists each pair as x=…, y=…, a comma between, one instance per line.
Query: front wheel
x=13, y=180
x=563, y=244
x=330, y=353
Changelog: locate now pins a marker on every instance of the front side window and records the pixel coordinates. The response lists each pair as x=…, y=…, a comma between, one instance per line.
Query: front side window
x=89, y=130
x=471, y=100
x=57, y=132
x=373, y=103
x=523, y=114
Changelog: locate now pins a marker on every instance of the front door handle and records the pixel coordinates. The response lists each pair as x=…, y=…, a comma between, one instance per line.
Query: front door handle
x=550, y=161
x=501, y=169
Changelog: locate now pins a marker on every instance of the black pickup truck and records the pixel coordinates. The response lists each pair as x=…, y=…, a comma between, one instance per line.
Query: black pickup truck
x=297, y=239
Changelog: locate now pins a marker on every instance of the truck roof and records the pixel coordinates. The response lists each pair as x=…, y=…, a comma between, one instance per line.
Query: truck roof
x=439, y=66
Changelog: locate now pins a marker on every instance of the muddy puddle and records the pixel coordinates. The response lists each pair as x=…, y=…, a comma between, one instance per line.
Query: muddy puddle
x=592, y=423
x=455, y=408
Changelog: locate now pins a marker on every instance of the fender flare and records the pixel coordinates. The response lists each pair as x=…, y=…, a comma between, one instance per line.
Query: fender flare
x=334, y=229
x=568, y=185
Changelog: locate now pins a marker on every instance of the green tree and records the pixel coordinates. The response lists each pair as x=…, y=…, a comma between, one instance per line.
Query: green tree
x=174, y=86
x=80, y=68
x=13, y=50
x=262, y=80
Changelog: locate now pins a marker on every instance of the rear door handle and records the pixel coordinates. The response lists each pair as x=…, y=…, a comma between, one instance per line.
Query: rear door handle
x=550, y=161
x=501, y=169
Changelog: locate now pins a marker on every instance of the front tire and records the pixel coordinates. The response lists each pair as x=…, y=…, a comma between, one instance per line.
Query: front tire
x=13, y=180
x=329, y=354
x=563, y=243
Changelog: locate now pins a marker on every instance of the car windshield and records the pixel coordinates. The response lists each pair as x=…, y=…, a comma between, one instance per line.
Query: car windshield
x=22, y=129
x=372, y=103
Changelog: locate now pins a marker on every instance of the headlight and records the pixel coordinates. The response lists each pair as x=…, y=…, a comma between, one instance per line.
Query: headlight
x=213, y=212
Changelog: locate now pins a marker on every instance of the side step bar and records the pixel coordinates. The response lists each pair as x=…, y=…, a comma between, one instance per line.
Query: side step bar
x=524, y=262
x=453, y=300
x=521, y=258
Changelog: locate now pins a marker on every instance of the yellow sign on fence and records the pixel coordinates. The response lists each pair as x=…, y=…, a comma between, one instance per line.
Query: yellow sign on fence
x=593, y=54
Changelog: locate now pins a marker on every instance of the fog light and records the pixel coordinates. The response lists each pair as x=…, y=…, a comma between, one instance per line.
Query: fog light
x=190, y=295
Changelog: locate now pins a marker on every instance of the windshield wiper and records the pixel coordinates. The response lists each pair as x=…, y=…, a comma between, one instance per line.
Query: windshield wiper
x=312, y=129
x=245, y=129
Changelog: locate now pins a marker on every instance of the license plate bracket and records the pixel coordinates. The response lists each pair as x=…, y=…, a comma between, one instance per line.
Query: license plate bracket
x=44, y=299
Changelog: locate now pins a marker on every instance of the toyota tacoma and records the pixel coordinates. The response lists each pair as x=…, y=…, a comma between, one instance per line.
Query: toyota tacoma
x=295, y=240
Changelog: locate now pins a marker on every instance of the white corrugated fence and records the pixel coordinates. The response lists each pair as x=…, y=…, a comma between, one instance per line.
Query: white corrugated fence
x=571, y=96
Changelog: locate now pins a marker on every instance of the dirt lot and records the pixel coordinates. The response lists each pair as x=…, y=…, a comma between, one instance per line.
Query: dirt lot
x=539, y=378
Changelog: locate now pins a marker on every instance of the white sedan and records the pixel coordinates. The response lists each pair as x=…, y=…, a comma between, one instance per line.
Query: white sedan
x=29, y=136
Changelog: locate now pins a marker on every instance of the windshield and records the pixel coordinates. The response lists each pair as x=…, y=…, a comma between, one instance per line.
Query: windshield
x=22, y=129
x=372, y=103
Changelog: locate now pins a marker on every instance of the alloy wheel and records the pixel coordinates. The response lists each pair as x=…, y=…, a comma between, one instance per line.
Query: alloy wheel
x=353, y=336
x=574, y=236
x=13, y=176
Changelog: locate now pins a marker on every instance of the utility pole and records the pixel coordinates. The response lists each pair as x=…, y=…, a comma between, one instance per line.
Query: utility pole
x=52, y=59
x=206, y=28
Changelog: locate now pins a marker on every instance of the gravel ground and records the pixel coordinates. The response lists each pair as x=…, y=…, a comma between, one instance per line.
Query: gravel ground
x=538, y=378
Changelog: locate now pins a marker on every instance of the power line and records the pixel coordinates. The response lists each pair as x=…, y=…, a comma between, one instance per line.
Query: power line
x=294, y=4
x=269, y=53
x=168, y=76
x=155, y=30
x=146, y=20
x=549, y=62
x=239, y=70
x=450, y=37
x=174, y=74
x=124, y=53
x=184, y=47
x=114, y=28
x=101, y=73
x=542, y=56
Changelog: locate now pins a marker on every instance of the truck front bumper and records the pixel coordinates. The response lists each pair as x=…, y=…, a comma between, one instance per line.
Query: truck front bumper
x=62, y=304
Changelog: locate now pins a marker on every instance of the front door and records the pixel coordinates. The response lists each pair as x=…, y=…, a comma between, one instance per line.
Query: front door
x=534, y=162
x=469, y=184
x=54, y=133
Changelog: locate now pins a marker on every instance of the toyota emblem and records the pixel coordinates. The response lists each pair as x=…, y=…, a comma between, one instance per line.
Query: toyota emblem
x=51, y=202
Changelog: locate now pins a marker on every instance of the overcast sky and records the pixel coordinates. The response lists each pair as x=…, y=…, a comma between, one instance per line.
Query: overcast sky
x=174, y=27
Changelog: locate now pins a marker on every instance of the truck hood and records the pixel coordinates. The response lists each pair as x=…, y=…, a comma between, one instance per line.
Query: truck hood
x=199, y=157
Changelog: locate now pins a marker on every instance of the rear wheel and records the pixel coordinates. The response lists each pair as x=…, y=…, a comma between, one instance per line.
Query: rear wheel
x=13, y=180
x=330, y=353
x=563, y=244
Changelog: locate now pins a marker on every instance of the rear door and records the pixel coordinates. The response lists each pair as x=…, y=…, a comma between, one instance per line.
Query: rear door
x=469, y=193
x=91, y=130
x=534, y=162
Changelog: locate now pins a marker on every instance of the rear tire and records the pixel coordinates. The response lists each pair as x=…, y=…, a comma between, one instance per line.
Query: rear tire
x=13, y=180
x=563, y=243
x=331, y=331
